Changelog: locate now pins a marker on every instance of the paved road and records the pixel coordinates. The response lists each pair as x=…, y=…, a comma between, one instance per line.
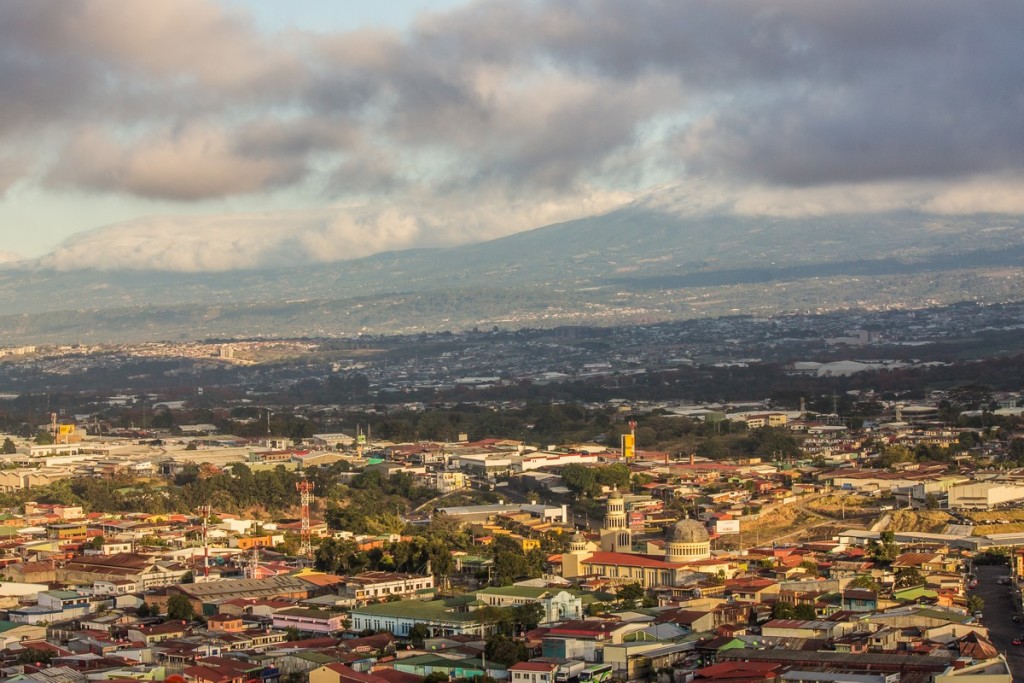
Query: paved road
x=998, y=616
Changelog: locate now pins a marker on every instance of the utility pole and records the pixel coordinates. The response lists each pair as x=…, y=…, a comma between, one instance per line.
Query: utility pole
x=204, y=510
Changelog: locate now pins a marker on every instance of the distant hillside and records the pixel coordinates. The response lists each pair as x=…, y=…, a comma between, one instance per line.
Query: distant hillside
x=638, y=264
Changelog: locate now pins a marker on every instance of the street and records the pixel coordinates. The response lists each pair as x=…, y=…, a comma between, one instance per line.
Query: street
x=998, y=615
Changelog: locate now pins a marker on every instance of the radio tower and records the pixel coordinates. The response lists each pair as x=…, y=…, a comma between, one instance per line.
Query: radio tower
x=253, y=571
x=305, y=489
x=205, y=510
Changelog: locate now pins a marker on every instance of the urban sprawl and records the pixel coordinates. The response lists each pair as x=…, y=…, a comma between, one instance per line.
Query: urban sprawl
x=870, y=537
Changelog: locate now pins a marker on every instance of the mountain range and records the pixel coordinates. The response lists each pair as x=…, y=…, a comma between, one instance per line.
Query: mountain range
x=639, y=264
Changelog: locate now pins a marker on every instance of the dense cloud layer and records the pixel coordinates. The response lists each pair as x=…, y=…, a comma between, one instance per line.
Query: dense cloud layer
x=498, y=106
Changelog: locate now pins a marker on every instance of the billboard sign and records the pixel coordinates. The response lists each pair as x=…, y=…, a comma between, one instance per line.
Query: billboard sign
x=637, y=520
x=727, y=526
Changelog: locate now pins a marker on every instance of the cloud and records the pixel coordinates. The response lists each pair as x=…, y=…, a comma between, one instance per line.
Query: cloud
x=910, y=104
x=277, y=239
x=196, y=162
x=12, y=168
x=995, y=194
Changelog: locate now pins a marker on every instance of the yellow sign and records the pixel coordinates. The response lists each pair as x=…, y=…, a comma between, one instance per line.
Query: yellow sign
x=628, y=447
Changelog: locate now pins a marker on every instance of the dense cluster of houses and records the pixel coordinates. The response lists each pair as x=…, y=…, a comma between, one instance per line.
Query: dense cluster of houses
x=87, y=599
x=91, y=596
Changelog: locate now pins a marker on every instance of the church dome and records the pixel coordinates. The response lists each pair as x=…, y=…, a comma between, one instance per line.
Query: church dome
x=577, y=538
x=615, y=494
x=688, y=531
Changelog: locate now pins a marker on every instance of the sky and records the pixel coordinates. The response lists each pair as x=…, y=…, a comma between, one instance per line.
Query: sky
x=212, y=135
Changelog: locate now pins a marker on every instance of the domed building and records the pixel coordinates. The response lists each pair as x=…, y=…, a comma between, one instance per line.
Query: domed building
x=577, y=543
x=687, y=541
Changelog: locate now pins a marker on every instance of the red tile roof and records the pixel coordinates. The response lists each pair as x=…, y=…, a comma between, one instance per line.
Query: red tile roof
x=534, y=666
x=628, y=560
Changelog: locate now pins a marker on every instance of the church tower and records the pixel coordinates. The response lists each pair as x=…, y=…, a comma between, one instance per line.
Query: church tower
x=572, y=561
x=615, y=534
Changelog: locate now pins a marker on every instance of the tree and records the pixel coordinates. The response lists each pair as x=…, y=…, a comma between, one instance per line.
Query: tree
x=180, y=607
x=895, y=454
x=775, y=441
x=783, y=610
x=579, y=479
x=886, y=550
x=31, y=655
x=418, y=634
x=906, y=577
x=495, y=619
x=528, y=615
x=436, y=677
x=505, y=650
x=512, y=564
x=144, y=610
x=188, y=577
x=291, y=634
x=9, y=446
x=810, y=567
x=805, y=611
x=975, y=604
x=631, y=594
x=864, y=581
x=385, y=523
x=97, y=542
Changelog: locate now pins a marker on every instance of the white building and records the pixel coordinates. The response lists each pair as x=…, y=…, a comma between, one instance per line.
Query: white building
x=983, y=495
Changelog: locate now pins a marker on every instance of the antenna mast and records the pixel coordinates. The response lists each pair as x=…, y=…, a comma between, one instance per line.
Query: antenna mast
x=305, y=489
x=254, y=562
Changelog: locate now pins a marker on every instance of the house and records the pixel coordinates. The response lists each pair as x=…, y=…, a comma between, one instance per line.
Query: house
x=12, y=633
x=226, y=670
x=309, y=620
x=145, y=572
x=859, y=600
x=158, y=633
x=799, y=628
x=32, y=572
x=228, y=623
x=471, y=668
x=740, y=672
x=274, y=587
x=441, y=617
x=751, y=589
x=369, y=586
x=558, y=605
x=52, y=606
x=584, y=639
x=336, y=672
x=533, y=672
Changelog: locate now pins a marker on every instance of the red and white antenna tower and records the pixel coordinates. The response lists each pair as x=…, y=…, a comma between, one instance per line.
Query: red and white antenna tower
x=253, y=570
x=305, y=489
x=205, y=510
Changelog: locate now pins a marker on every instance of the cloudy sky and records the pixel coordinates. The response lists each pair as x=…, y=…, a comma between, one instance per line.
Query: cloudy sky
x=217, y=134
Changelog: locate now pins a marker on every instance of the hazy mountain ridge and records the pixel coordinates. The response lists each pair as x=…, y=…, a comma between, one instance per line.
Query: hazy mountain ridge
x=634, y=264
